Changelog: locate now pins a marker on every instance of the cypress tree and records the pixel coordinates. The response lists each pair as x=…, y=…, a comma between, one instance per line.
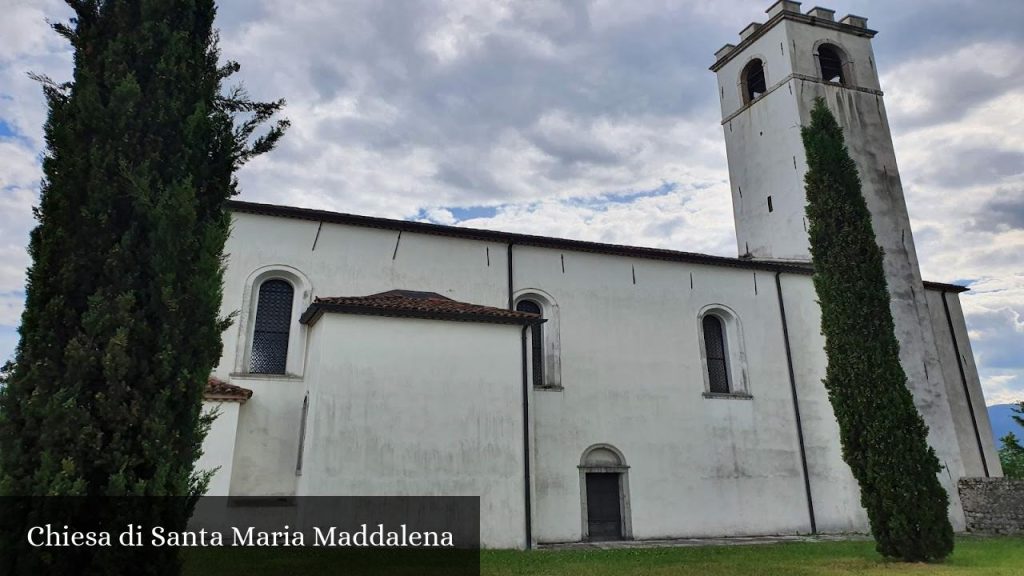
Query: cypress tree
x=884, y=439
x=122, y=322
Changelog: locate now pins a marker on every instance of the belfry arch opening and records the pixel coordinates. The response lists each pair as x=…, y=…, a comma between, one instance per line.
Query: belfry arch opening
x=832, y=64
x=753, y=81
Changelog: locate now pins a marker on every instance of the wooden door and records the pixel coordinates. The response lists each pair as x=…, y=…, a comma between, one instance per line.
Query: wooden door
x=604, y=517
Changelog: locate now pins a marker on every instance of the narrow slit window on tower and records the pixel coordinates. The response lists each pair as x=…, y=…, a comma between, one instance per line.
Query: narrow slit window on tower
x=273, y=323
x=537, y=340
x=714, y=349
x=770, y=207
x=831, y=64
x=754, y=84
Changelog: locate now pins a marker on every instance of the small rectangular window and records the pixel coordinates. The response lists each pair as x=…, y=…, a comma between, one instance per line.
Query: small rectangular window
x=770, y=208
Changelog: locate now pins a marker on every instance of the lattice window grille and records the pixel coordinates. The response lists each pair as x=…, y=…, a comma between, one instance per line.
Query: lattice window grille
x=272, y=326
x=714, y=348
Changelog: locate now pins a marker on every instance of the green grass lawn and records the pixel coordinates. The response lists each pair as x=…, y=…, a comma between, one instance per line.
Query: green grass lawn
x=973, y=556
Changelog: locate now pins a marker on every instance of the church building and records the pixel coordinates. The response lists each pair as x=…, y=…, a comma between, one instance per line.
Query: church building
x=588, y=391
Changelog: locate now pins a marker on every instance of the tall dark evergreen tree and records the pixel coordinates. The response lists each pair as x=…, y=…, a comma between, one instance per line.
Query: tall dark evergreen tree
x=121, y=325
x=884, y=438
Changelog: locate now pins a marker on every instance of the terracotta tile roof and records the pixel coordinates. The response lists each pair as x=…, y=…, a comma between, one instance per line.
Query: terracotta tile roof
x=220, y=391
x=413, y=304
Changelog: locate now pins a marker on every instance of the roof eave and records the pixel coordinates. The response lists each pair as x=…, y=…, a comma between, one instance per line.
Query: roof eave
x=506, y=237
x=317, y=309
x=661, y=254
x=225, y=398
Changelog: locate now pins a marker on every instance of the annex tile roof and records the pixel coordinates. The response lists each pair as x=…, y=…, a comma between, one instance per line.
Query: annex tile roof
x=218, y=390
x=512, y=238
x=415, y=304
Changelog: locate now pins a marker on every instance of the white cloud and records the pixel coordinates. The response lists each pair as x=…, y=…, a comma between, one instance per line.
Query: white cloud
x=595, y=120
x=943, y=86
x=24, y=29
x=29, y=46
x=962, y=160
x=1003, y=389
x=676, y=219
x=462, y=28
x=19, y=178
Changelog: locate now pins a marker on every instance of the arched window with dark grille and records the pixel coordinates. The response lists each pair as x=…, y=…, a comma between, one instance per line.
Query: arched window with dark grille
x=537, y=340
x=715, y=352
x=273, y=323
x=753, y=81
x=830, y=60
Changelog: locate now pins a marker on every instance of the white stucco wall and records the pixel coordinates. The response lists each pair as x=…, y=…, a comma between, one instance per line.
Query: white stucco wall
x=346, y=261
x=413, y=407
x=760, y=142
x=632, y=378
x=835, y=492
x=763, y=142
x=219, y=446
x=969, y=431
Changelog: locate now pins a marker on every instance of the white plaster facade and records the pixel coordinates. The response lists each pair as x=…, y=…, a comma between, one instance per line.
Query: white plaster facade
x=414, y=406
x=417, y=407
x=219, y=447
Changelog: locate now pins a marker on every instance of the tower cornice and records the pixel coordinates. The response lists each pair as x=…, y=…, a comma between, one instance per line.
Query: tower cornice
x=803, y=78
x=728, y=52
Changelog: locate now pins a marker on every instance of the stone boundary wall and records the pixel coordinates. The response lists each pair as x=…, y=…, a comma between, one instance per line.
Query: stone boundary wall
x=993, y=505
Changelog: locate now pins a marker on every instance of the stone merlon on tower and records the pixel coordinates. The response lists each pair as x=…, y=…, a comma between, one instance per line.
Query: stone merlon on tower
x=816, y=16
x=768, y=82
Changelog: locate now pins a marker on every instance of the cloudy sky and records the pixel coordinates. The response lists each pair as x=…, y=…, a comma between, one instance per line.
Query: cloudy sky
x=595, y=120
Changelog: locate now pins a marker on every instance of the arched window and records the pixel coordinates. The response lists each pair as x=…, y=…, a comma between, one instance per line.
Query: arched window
x=723, y=354
x=830, y=60
x=536, y=338
x=273, y=324
x=753, y=81
x=716, y=354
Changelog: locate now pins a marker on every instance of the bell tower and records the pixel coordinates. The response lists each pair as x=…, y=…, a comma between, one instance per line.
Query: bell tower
x=767, y=84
